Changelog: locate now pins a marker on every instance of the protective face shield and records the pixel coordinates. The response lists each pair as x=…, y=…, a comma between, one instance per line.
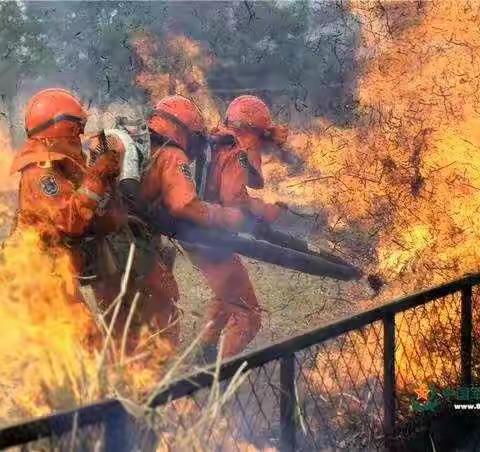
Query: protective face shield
x=138, y=131
x=131, y=164
x=94, y=145
x=85, y=140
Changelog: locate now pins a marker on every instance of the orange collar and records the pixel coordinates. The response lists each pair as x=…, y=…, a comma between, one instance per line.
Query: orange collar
x=36, y=151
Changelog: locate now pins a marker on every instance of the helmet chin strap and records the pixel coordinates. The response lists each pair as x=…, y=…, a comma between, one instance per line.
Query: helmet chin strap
x=55, y=120
x=183, y=127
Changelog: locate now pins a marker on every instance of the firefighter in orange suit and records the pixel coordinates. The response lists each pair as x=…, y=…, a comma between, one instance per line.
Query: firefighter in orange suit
x=235, y=310
x=177, y=134
x=58, y=195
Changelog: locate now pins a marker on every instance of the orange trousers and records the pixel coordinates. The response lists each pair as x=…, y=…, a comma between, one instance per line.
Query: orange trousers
x=234, y=311
x=156, y=317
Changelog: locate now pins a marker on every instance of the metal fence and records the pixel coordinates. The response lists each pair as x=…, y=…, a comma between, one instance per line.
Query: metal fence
x=349, y=385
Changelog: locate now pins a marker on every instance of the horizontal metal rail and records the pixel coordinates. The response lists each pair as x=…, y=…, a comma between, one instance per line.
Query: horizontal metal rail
x=257, y=358
x=58, y=423
x=62, y=422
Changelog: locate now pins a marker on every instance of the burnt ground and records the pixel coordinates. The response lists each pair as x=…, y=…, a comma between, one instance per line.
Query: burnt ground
x=292, y=302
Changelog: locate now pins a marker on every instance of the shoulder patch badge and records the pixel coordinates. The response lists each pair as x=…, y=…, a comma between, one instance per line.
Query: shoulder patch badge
x=243, y=159
x=186, y=171
x=49, y=185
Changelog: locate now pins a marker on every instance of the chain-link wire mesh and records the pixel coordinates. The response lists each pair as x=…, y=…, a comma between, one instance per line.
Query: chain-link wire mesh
x=427, y=358
x=233, y=415
x=476, y=335
x=338, y=388
x=339, y=385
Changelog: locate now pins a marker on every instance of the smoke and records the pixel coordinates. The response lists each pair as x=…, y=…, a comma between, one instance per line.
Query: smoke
x=99, y=119
x=300, y=57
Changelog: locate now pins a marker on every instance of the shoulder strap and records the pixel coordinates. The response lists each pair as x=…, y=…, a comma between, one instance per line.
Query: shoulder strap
x=203, y=165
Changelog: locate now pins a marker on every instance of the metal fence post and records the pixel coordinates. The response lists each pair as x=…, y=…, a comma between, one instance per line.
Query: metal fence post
x=389, y=374
x=466, y=336
x=287, y=403
x=119, y=433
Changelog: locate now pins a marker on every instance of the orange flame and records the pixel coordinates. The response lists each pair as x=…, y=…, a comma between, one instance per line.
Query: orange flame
x=406, y=175
x=408, y=172
x=8, y=182
x=50, y=347
x=176, y=65
x=43, y=329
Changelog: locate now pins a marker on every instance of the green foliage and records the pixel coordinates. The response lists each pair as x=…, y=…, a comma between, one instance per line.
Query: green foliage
x=297, y=54
x=25, y=48
x=24, y=53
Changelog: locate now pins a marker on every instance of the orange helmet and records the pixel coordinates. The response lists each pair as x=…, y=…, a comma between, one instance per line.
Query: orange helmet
x=178, y=119
x=54, y=113
x=249, y=112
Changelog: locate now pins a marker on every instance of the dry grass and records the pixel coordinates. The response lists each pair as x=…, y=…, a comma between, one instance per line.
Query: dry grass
x=179, y=427
x=111, y=380
x=153, y=428
x=292, y=302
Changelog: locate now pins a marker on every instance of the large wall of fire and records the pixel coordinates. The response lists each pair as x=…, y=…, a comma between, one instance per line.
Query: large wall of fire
x=397, y=186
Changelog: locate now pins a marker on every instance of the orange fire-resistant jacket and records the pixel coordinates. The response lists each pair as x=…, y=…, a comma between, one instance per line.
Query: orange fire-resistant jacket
x=56, y=193
x=169, y=182
x=235, y=168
